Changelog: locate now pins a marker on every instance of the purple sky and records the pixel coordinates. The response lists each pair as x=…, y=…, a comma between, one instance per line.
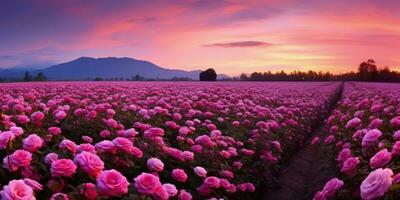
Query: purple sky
x=231, y=36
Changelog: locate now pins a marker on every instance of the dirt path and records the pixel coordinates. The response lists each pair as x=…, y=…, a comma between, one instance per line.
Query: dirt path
x=307, y=170
x=305, y=173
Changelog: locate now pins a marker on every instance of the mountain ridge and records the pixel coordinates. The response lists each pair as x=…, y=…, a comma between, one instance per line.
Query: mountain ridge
x=84, y=68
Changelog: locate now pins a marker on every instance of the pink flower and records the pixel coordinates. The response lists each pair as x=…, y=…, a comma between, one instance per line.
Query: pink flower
x=179, y=175
x=36, y=186
x=63, y=167
x=89, y=191
x=112, y=183
x=396, y=149
x=20, y=158
x=315, y=140
x=90, y=163
x=212, y=182
x=50, y=157
x=376, y=184
x=349, y=166
x=18, y=131
x=147, y=183
x=59, y=196
x=69, y=145
x=344, y=154
x=183, y=195
x=371, y=137
x=332, y=186
x=396, y=135
x=106, y=146
x=5, y=138
x=160, y=193
x=32, y=143
x=171, y=189
x=155, y=164
x=200, y=171
x=353, y=123
x=123, y=144
x=380, y=159
x=319, y=196
x=54, y=130
x=17, y=190
x=153, y=132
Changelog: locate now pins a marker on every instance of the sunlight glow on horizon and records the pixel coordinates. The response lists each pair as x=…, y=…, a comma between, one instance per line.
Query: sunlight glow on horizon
x=230, y=36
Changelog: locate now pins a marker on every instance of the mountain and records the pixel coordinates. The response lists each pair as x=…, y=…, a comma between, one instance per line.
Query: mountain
x=111, y=67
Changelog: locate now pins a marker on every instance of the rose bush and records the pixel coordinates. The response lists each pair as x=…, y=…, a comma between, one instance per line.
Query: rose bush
x=87, y=140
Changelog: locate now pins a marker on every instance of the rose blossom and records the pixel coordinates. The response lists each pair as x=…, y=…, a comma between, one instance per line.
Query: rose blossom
x=349, y=166
x=380, y=159
x=32, y=143
x=20, y=158
x=112, y=183
x=33, y=184
x=90, y=163
x=179, y=175
x=200, y=171
x=89, y=191
x=376, y=184
x=155, y=164
x=183, y=195
x=212, y=182
x=63, y=167
x=332, y=186
x=5, y=138
x=147, y=183
x=17, y=190
x=371, y=137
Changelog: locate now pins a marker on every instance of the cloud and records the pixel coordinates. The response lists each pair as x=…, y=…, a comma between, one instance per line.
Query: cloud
x=239, y=44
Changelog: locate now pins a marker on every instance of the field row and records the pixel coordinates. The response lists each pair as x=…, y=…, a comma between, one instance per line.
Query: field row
x=152, y=140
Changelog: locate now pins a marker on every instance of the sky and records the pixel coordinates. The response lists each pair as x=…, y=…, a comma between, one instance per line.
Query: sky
x=230, y=36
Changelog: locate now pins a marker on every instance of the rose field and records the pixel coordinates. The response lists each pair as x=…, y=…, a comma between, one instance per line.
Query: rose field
x=364, y=141
x=192, y=140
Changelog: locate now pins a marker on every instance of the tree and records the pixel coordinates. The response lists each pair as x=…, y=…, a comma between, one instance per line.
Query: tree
x=27, y=77
x=368, y=71
x=208, y=75
x=40, y=77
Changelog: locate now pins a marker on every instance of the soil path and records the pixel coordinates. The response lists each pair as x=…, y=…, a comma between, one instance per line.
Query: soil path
x=307, y=170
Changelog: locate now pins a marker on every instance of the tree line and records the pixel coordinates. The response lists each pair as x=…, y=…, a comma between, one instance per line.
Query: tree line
x=367, y=71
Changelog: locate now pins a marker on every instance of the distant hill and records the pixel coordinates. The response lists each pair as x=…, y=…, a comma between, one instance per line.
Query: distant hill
x=111, y=67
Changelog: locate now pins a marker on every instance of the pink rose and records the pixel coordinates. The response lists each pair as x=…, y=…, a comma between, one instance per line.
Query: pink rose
x=59, y=196
x=319, y=196
x=396, y=149
x=332, y=186
x=50, y=157
x=212, y=182
x=18, y=131
x=112, y=183
x=183, y=195
x=200, y=171
x=90, y=163
x=36, y=186
x=62, y=168
x=376, y=184
x=380, y=159
x=106, y=146
x=69, y=145
x=155, y=164
x=54, y=130
x=153, y=132
x=20, y=158
x=344, y=154
x=171, y=189
x=17, y=190
x=89, y=191
x=5, y=138
x=349, y=166
x=147, y=183
x=32, y=143
x=179, y=175
x=371, y=137
x=123, y=144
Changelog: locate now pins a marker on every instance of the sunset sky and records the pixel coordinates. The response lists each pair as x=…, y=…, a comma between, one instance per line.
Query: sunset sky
x=230, y=36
